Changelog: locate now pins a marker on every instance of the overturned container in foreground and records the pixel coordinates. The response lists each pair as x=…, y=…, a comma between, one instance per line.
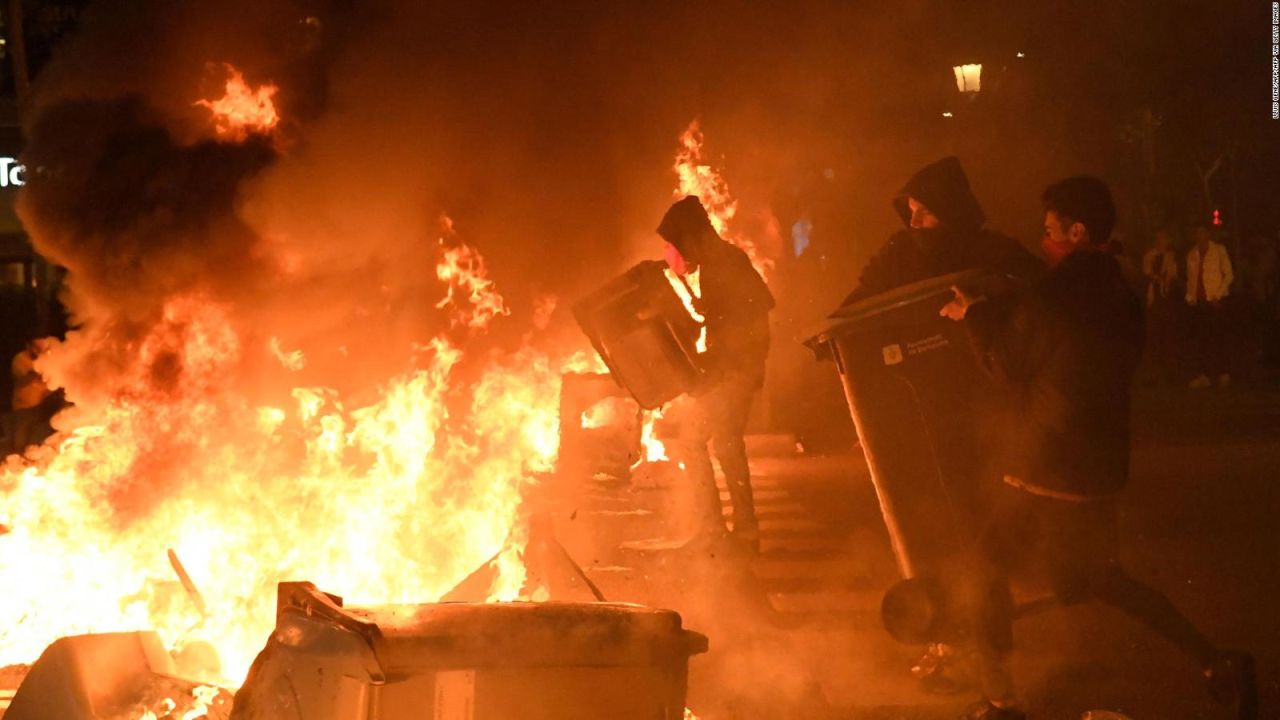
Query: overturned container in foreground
x=468, y=661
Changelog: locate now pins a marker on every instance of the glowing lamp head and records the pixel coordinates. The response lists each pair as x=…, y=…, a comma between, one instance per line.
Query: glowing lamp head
x=968, y=77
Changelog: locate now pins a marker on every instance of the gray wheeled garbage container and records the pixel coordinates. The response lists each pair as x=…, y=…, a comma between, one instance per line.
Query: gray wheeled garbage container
x=468, y=661
x=915, y=389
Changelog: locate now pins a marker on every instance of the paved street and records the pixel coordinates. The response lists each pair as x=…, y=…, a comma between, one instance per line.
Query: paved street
x=796, y=631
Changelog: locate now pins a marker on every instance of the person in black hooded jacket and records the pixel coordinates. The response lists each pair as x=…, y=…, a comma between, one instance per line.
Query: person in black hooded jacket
x=735, y=303
x=943, y=235
x=1063, y=354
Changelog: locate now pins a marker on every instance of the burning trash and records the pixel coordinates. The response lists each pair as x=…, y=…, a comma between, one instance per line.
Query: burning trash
x=324, y=661
x=112, y=676
x=204, y=427
x=541, y=661
x=208, y=456
x=600, y=427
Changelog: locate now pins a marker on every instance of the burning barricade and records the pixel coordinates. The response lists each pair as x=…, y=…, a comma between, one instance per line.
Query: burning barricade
x=264, y=388
x=202, y=429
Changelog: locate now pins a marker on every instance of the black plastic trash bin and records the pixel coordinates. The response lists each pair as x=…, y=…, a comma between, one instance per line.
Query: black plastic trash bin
x=644, y=334
x=915, y=390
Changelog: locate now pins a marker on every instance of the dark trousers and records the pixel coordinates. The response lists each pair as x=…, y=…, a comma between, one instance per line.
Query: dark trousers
x=1072, y=546
x=719, y=418
x=1209, y=336
x=1162, y=339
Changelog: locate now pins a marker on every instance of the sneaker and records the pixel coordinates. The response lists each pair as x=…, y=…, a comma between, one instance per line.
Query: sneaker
x=1233, y=680
x=1201, y=382
x=986, y=711
x=1224, y=380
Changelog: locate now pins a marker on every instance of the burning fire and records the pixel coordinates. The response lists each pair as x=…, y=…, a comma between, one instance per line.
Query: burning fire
x=604, y=413
x=174, y=502
x=654, y=449
x=462, y=269
x=195, y=707
x=394, y=501
x=688, y=288
x=697, y=177
x=242, y=110
x=585, y=362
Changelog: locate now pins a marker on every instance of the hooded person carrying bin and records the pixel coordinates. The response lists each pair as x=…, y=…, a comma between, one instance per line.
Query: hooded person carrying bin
x=944, y=234
x=735, y=302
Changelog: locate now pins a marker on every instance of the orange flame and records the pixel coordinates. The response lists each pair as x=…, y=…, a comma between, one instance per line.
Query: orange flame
x=585, y=362
x=243, y=110
x=463, y=270
x=602, y=414
x=395, y=501
x=195, y=707
x=696, y=177
x=688, y=290
x=654, y=449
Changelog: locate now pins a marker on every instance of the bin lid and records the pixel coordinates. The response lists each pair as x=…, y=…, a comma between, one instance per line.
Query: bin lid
x=513, y=618
x=848, y=316
x=405, y=638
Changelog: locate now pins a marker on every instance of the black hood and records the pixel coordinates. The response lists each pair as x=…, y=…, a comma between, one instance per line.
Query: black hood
x=944, y=189
x=685, y=220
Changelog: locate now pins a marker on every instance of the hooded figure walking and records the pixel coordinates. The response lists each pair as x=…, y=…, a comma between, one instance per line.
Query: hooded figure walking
x=944, y=234
x=735, y=302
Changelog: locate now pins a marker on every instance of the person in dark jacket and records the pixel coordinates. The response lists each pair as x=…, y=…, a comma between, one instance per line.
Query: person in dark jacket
x=735, y=302
x=1063, y=354
x=944, y=234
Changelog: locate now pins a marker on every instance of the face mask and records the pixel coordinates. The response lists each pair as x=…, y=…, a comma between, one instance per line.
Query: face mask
x=675, y=260
x=933, y=239
x=1055, y=251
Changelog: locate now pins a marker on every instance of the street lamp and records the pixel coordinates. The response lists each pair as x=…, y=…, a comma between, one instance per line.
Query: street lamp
x=968, y=77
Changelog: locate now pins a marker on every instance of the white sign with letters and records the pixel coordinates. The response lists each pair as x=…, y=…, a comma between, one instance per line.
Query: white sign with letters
x=12, y=173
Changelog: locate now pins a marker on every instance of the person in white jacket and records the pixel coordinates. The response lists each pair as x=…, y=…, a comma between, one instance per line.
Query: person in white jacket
x=1209, y=280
